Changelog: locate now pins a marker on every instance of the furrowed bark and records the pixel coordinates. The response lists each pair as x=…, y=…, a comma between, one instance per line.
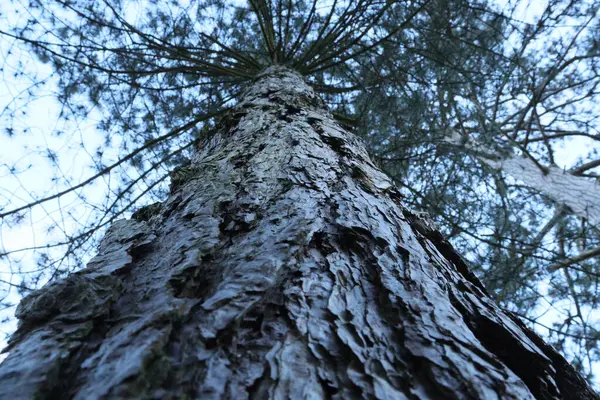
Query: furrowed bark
x=282, y=265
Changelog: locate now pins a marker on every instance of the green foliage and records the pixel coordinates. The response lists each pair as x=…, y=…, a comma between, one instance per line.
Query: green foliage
x=147, y=212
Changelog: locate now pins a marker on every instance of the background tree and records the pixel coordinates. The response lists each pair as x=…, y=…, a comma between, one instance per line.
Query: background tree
x=443, y=93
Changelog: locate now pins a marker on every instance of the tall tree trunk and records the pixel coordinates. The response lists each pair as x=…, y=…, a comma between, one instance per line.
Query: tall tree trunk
x=282, y=265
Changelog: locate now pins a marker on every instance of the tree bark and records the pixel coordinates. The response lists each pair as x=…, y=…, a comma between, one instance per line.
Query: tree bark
x=282, y=265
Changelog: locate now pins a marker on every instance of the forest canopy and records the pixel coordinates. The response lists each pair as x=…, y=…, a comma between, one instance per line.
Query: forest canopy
x=483, y=113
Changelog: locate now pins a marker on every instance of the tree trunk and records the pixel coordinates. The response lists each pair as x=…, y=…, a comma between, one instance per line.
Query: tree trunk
x=578, y=193
x=282, y=265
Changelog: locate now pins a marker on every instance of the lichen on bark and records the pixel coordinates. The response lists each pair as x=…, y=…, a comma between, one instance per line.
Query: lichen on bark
x=285, y=266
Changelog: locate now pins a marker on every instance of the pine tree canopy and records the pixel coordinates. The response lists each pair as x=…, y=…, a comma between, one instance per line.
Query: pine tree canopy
x=485, y=114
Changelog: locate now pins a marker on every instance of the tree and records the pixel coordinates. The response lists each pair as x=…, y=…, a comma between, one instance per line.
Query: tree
x=280, y=240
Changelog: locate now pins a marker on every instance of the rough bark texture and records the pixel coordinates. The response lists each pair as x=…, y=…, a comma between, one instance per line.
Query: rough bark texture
x=283, y=265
